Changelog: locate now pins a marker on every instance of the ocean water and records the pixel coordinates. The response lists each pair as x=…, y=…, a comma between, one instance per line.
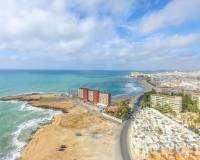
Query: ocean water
x=19, y=120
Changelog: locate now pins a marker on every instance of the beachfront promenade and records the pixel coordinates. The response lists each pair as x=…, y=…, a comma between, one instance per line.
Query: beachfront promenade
x=152, y=131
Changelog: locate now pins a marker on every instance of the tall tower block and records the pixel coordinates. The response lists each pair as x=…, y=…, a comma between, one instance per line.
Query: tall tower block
x=95, y=96
x=85, y=94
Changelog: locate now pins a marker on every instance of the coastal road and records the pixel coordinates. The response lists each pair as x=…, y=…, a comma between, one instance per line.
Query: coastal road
x=124, y=143
x=124, y=151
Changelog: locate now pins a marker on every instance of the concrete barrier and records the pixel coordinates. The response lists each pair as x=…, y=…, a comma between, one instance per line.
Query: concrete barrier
x=112, y=118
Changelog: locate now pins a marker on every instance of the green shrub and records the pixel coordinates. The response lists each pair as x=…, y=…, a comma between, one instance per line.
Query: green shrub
x=165, y=109
x=146, y=99
x=189, y=104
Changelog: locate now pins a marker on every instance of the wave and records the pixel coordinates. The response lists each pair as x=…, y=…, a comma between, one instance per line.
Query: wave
x=131, y=87
x=18, y=140
x=27, y=107
x=12, y=101
x=38, y=92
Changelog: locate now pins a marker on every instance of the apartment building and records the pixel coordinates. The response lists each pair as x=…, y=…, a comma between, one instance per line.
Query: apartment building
x=95, y=96
x=155, y=81
x=104, y=98
x=90, y=95
x=140, y=76
x=80, y=93
x=175, y=102
x=83, y=94
x=169, y=90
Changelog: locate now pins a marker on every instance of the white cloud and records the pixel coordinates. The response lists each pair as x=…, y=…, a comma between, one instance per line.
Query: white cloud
x=170, y=42
x=64, y=33
x=173, y=14
x=125, y=53
x=34, y=28
x=43, y=25
x=114, y=53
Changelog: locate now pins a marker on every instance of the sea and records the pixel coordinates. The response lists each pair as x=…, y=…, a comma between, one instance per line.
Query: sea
x=18, y=120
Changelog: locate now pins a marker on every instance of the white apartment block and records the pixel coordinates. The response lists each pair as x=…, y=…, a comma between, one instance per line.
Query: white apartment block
x=104, y=98
x=90, y=95
x=175, y=102
x=80, y=93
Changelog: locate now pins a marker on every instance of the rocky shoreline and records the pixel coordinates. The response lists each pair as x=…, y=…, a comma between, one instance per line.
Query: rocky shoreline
x=63, y=138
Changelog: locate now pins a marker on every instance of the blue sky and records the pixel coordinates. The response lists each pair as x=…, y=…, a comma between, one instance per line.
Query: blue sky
x=100, y=34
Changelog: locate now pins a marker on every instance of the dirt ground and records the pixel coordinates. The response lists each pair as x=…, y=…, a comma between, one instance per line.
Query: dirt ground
x=74, y=135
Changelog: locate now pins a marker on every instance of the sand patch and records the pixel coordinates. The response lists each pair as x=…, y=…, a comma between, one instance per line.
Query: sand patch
x=74, y=135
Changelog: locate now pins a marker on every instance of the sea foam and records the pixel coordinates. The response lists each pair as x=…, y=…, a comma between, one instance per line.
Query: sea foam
x=131, y=87
x=31, y=125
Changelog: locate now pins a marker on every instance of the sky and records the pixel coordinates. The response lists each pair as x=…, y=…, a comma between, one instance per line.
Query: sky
x=100, y=34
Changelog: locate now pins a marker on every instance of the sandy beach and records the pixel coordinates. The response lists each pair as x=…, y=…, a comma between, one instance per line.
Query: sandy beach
x=74, y=135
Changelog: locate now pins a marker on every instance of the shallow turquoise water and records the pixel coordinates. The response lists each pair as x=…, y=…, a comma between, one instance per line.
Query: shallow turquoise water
x=17, y=121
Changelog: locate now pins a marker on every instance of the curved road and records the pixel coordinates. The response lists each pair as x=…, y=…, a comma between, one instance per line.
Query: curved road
x=124, y=144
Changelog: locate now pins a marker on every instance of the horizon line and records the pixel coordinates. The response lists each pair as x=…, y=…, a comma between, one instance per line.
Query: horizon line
x=131, y=70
